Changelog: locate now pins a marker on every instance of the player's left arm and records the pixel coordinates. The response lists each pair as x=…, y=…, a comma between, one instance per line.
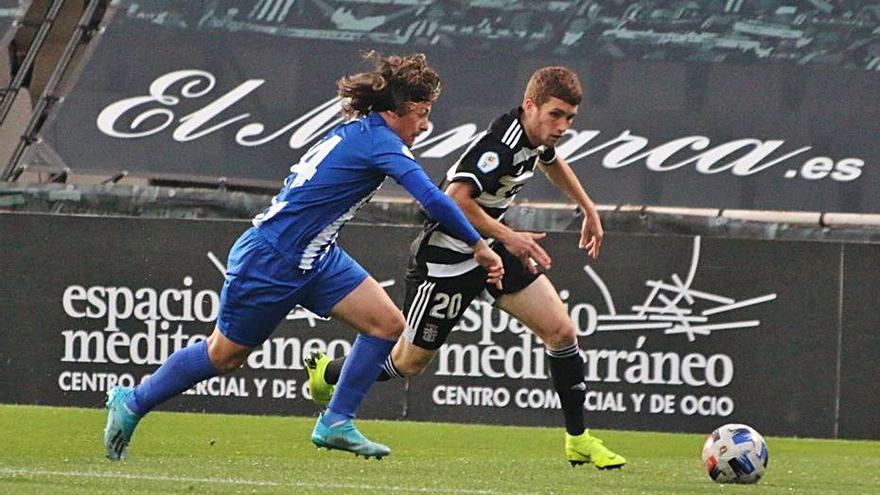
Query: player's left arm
x=563, y=177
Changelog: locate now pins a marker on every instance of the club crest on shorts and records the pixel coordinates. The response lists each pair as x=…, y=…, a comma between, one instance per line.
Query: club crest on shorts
x=429, y=332
x=488, y=162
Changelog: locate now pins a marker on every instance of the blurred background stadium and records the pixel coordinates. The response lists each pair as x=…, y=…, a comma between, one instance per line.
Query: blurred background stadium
x=732, y=145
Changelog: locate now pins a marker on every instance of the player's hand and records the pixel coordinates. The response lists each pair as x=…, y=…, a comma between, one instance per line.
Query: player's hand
x=524, y=245
x=489, y=259
x=591, y=233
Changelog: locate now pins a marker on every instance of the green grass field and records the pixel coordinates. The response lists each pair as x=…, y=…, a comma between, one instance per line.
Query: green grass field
x=58, y=450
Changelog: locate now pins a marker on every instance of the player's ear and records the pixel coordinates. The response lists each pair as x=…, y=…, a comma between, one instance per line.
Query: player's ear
x=529, y=106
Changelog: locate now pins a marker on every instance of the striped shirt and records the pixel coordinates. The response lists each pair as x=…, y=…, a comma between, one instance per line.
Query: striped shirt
x=497, y=166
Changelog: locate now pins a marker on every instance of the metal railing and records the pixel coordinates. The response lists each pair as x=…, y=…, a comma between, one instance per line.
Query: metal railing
x=48, y=98
x=11, y=92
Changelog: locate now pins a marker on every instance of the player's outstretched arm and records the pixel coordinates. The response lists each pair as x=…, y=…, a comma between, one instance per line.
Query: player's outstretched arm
x=523, y=245
x=592, y=233
x=442, y=209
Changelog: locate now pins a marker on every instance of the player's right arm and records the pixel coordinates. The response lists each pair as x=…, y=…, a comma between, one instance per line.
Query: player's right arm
x=523, y=245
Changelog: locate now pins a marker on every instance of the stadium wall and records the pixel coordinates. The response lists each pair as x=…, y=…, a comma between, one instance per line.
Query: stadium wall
x=755, y=106
x=680, y=332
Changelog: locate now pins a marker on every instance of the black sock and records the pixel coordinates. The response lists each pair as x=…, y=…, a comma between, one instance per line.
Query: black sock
x=389, y=371
x=334, y=369
x=567, y=373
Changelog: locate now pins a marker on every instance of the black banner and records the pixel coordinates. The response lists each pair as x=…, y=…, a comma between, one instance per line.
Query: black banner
x=112, y=298
x=678, y=333
x=860, y=345
x=759, y=106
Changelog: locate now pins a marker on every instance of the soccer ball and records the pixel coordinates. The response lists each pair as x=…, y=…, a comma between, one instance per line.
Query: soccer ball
x=735, y=453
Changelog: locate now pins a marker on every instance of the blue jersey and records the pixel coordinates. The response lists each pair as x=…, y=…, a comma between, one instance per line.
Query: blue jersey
x=331, y=182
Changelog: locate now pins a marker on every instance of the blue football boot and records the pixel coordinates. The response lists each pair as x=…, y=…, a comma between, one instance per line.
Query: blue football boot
x=121, y=423
x=345, y=436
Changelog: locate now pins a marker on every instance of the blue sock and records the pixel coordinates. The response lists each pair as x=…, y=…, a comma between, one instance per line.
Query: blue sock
x=362, y=367
x=180, y=372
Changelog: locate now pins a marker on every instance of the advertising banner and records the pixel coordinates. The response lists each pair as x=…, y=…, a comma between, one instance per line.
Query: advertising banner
x=678, y=333
x=860, y=344
x=112, y=298
x=749, y=105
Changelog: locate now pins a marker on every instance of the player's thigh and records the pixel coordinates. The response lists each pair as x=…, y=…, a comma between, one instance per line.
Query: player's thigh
x=539, y=307
x=434, y=305
x=337, y=276
x=369, y=310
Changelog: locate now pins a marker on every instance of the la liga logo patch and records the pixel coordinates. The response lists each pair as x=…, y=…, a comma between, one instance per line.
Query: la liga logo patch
x=488, y=162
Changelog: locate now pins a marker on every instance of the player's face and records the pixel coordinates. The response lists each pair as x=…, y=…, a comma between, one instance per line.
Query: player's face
x=412, y=123
x=546, y=124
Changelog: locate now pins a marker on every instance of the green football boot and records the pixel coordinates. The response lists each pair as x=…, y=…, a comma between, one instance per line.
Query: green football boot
x=121, y=422
x=321, y=391
x=345, y=436
x=584, y=448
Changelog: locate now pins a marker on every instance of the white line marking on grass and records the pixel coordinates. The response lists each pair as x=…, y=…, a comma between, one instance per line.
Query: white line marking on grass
x=245, y=482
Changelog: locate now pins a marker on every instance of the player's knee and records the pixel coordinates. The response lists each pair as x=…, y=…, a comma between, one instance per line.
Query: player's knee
x=389, y=326
x=225, y=364
x=560, y=335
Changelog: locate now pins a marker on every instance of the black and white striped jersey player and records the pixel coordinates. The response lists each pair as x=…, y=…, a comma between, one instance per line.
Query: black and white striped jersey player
x=441, y=278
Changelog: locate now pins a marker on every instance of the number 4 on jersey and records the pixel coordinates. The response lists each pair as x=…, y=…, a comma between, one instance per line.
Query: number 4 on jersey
x=307, y=166
x=304, y=170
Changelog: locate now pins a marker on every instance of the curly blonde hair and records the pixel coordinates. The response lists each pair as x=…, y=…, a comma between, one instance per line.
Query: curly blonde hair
x=394, y=83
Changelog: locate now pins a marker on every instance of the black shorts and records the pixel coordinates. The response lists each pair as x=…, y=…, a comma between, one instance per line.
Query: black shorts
x=434, y=305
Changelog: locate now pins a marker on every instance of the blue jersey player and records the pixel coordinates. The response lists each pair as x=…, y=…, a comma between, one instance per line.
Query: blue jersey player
x=290, y=256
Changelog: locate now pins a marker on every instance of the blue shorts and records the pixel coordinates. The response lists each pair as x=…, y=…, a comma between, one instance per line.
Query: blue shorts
x=262, y=287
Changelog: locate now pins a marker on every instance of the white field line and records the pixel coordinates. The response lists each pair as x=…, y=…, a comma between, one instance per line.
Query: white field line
x=245, y=482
